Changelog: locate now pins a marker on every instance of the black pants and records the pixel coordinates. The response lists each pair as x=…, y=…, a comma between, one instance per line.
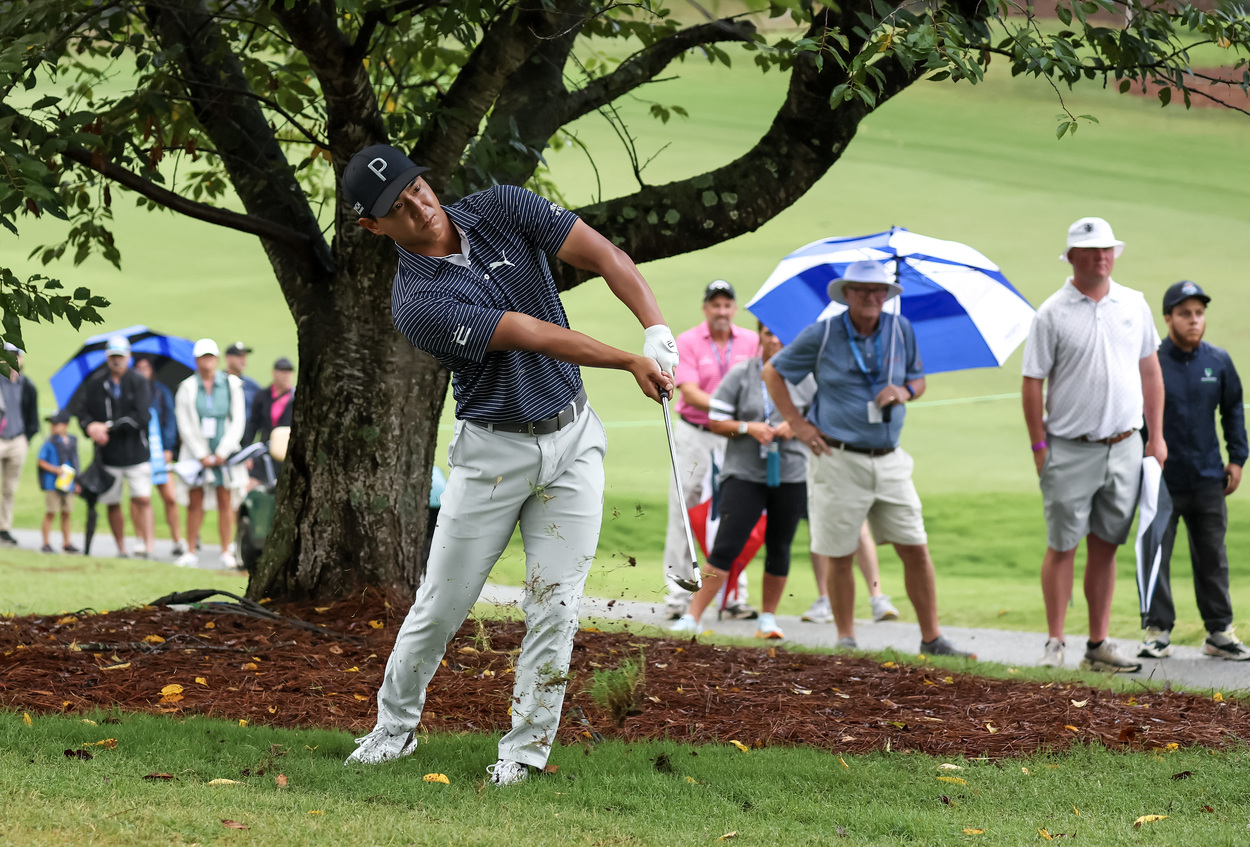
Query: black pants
x=741, y=504
x=1206, y=519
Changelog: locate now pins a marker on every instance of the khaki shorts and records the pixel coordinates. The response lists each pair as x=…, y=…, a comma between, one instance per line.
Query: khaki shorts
x=844, y=488
x=138, y=480
x=58, y=501
x=1090, y=488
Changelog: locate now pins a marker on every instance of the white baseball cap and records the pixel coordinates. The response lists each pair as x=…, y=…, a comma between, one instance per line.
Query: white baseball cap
x=1092, y=232
x=205, y=347
x=117, y=345
x=866, y=271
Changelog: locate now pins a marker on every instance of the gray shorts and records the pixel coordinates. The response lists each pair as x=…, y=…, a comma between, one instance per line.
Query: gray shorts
x=1090, y=488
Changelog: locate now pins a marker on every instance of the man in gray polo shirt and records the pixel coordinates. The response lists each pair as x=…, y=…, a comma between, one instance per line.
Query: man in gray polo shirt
x=1094, y=342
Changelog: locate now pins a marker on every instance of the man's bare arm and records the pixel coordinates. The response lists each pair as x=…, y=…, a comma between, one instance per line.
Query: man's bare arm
x=1152, y=401
x=586, y=249
x=1031, y=392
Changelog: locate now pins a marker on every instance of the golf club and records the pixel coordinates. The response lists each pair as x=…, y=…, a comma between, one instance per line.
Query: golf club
x=696, y=582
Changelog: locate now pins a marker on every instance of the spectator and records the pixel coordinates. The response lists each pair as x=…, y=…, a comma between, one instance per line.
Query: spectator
x=705, y=354
x=1094, y=342
x=115, y=412
x=272, y=408
x=162, y=441
x=21, y=425
x=866, y=558
x=209, y=408
x=1198, y=379
x=236, y=363
x=867, y=367
x=58, y=470
x=764, y=468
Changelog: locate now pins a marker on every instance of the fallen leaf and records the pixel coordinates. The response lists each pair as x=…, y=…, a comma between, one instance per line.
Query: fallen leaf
x=728, y=835
x=947, y=766
x=210, y=625
x=1080, y=704
x=242, y=722
x=591, y=629
x=1024, y=771
x=1208, y=809
x=249, y=666
x=352, y=669
x=993, y=729
x=801, y=690
x=79, y=754
x=159, y=776
x=1137, y=824
x=315, y=812
x=974, y=832
x=953, y=779
x=360, y=697
x=744, y=748
x=772, y=652
x=1172, y=747
x=1071, y=727
x=843, y=763
x=153, y=639
x=199, y=680
x=321, y=609
x=107, y=743
x=234, y=824
x=949, y=680
x=1183, y=775
x=376, y=625
x=26, y=719
x=946, y=801
x=889, y=665
x=1076, y=811
x=117, y=667
x=692, y=780
x=338, y=651
x=273, y=710
x=1046, y=835
x=172, y=688
x=437, y=777
x=1219, y=697
x=88, y=722
x=280, y=780
x=225, y=782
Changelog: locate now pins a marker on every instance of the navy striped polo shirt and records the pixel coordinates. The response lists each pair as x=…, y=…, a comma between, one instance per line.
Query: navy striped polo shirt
x=450, y=308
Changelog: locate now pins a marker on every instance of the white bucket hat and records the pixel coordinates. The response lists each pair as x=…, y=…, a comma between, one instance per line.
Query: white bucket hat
x=1091, y=232
x=205, y=347
x=866, y=271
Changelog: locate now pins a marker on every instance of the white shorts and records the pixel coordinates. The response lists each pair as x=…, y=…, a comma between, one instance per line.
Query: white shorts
x=844, y=488
x=138, y=480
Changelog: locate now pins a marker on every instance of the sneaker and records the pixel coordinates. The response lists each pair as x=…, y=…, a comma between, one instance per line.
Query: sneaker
x=7, y=539
x=507, y=772
x=674, y=609
x=1226, y=645
x=739, y=612
x=47, y=548
x=686, y=623
x=380, y=746
x=768, y=627
x=883, y=609
x=819, y=612
x=1106, y=657
x=228, y=560
x=1052, y=655
x=187, y=560
x=70, y=548
x=1156, y=644
x=141, y=554
x=178, y=550
x=941, y=646
x=847, y=643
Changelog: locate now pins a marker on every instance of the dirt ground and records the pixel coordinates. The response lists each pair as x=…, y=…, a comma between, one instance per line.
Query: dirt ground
x=273, y=672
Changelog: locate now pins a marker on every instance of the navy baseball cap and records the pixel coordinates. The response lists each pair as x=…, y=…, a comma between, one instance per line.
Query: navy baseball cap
x=1182, y=290
x=375, y=176
x=718, y=287
x=283, y=364
x=60, y=417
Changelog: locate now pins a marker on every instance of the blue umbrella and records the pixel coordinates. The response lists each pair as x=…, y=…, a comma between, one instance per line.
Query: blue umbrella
x=964, y=311
x=170, y=355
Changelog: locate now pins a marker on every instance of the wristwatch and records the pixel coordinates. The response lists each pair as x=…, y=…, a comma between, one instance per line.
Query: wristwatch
x=742, y=427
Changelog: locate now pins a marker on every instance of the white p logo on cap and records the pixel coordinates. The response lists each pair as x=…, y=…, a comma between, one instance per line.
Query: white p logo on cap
x=378, y=166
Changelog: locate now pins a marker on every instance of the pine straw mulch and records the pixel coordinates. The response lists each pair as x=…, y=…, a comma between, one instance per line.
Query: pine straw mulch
x=269, y=672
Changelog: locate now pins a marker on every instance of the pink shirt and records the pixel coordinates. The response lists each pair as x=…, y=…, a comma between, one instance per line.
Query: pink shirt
x=700, y=361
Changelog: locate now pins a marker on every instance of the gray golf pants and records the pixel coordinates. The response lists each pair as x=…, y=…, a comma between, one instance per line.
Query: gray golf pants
x=553, y=486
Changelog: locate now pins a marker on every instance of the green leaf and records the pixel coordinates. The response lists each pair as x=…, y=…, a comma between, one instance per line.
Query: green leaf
x=1165, y=95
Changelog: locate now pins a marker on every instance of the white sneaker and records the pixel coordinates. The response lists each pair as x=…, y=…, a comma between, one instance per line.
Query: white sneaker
x=228, y=560
x=767, y=627
x=883, y=609
x=1106, y=657
x=380, y=746
x=819, y=612
x=1226, y=645
x=1052, y=656
x=1156, y=643
x=685, y=623
x=507, y=772
x=187, y=560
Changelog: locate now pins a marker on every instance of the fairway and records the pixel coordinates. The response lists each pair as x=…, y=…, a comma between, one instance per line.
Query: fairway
x=977, y=164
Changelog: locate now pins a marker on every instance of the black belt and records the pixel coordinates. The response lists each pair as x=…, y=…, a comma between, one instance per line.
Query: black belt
x=867, y=451
x=556, y=422
x=703, y=427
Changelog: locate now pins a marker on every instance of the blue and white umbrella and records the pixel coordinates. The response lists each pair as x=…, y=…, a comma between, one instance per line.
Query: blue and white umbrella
x=964, y=311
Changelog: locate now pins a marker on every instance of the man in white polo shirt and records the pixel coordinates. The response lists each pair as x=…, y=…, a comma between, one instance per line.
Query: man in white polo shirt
x=1094, y=341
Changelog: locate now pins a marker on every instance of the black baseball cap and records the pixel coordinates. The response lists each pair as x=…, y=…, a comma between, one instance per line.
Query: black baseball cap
x=1182, y=290
x=238, y=348
x=283, y=364
x=717, y=287
x=375, y=176
x=60, y=417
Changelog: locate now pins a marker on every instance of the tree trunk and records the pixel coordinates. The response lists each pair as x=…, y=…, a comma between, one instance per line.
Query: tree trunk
x=354, y=493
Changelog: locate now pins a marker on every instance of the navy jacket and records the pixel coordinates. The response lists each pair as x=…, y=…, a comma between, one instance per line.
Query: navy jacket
x=1195, y=385
x=128, y=442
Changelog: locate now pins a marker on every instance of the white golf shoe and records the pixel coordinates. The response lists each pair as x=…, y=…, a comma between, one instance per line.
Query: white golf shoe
x=380, y=746
x=507, y=772
x=882, y=608
x=686, y=623
x=819, y=611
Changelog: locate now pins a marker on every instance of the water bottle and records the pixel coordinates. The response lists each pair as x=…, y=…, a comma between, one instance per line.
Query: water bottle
x=773, y=465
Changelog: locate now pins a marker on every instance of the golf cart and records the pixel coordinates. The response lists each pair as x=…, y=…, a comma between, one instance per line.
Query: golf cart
x=255, y=518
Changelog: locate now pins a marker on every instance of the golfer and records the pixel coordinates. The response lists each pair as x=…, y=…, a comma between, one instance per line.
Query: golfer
x=867, y=367
x=1094, y=342
x=474, y=290
x=1198, y=379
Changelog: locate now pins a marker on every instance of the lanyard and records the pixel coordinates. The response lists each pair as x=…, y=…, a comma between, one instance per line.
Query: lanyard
x=859, y=356
x=769, y=406
x=729, y=352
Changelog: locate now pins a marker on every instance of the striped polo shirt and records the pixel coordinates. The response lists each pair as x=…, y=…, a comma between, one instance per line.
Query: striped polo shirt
x=449, y=307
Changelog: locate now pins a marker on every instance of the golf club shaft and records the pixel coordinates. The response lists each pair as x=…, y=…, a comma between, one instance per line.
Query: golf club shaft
x=696, y=580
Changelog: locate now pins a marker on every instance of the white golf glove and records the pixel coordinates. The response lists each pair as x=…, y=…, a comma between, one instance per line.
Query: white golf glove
x=658, y=344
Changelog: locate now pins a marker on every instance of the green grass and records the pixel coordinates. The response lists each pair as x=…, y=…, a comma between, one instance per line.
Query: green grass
x=613, y=795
